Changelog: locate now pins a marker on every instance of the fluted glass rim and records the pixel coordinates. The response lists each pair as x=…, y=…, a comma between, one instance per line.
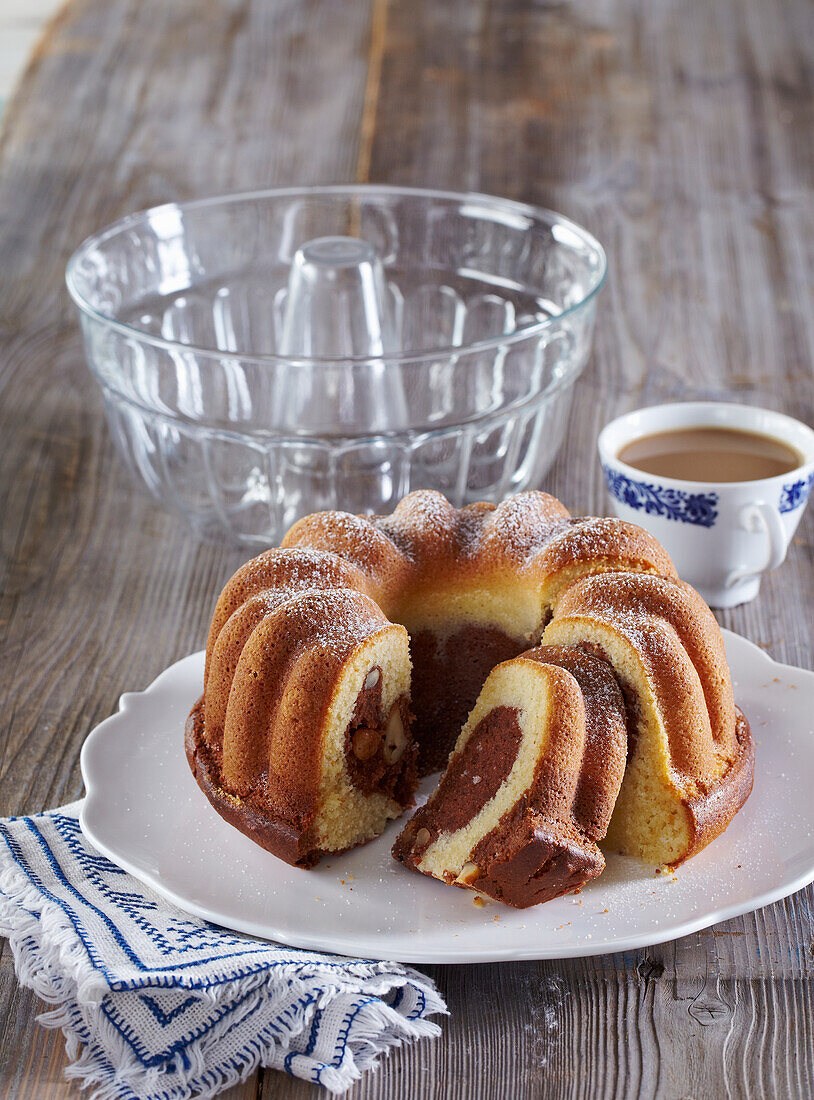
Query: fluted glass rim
x=535, y=329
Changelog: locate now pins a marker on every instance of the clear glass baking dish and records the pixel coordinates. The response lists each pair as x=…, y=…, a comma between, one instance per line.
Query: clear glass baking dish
x=490, y=306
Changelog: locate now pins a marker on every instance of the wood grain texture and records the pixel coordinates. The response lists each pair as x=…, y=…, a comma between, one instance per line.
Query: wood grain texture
x=681, y=135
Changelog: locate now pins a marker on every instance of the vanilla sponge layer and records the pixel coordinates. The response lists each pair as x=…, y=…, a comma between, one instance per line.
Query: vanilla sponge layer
x=346, y=815
x=514, y=609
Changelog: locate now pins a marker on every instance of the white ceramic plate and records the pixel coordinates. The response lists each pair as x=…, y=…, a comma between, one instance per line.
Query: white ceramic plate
x=145, y=812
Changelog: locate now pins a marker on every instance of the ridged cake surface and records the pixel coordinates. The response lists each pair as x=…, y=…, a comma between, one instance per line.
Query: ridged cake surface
x=301, y=738
x=691, y=759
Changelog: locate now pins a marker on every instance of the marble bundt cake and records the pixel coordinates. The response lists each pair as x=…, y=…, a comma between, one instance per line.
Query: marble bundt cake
x=531, y=783
x=312, y=722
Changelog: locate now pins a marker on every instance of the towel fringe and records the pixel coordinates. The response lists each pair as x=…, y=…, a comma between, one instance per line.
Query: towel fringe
x=275, y=1008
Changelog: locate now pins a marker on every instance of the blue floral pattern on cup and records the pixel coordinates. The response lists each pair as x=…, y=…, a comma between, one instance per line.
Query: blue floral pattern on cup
x=795, y=493
x=698, y=508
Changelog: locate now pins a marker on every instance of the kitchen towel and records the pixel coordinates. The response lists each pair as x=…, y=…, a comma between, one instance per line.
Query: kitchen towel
x=156, y=1004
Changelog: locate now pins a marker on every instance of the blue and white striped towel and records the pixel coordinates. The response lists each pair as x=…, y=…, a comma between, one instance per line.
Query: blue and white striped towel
x=156, y=1004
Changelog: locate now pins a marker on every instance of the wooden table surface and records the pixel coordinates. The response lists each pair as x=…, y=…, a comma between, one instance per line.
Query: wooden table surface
x=681, y=134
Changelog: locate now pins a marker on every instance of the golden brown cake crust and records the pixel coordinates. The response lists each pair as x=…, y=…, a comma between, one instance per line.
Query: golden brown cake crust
x=681, y=653
x=602, y=762
x=279, y=571
x=534, y=862
x=282, y=688
x=666, y=622
x=254, y=740
x=428, y=542
x=710, y=813
x=272, y=833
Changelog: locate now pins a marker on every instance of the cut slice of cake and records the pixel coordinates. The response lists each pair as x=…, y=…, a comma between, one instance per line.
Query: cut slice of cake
x=531, y=783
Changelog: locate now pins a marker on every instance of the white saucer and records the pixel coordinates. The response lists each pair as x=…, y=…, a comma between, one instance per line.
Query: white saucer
x=145, y=812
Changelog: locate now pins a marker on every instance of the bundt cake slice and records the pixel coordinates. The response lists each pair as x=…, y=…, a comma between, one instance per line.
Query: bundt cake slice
x=302, y=736
x=531, y=784
x=691, y=759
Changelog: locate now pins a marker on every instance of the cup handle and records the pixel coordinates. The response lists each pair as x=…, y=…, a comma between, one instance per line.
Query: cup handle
x=756, y=518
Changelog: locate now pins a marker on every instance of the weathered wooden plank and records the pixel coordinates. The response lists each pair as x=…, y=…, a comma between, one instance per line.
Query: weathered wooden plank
x=680, y=135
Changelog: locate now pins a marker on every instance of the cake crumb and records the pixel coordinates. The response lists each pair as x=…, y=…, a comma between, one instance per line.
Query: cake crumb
x=478, y=900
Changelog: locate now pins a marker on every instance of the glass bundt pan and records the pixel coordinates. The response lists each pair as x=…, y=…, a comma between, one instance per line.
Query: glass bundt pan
x=455, y=341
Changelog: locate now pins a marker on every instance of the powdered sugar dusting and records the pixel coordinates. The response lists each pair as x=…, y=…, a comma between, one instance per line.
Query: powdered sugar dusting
x=422, y=517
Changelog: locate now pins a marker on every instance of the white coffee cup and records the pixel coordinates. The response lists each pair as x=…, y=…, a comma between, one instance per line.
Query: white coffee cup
x=722, y=535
